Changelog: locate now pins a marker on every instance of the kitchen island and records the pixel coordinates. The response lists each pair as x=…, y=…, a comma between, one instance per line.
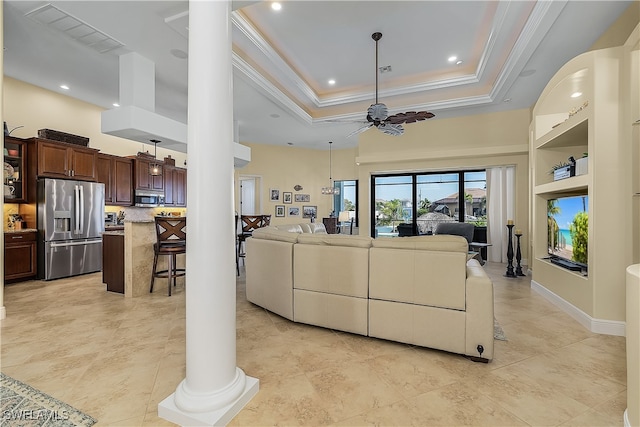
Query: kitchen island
x=139, y=238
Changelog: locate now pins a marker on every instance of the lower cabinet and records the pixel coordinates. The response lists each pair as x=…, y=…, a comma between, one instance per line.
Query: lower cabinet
x=113, y=262
x=20, y=256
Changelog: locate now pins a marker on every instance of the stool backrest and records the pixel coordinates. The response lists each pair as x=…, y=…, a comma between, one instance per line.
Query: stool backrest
x=171, y=229
x=252, y=222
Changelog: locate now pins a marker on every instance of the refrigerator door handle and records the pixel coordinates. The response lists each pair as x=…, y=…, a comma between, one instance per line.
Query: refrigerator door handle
x=59, y=245
x=76, y=210
x=82, y=208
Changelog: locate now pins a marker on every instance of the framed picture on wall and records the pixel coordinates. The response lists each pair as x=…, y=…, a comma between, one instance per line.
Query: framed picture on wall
x=279, y=210
x=303, y=198
x=309, y=212
x=294, y=211
x=287, y=197
x=274, y=195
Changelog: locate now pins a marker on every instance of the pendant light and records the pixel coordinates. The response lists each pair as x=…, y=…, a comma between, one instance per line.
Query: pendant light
x=331, y=190
x=155, y=168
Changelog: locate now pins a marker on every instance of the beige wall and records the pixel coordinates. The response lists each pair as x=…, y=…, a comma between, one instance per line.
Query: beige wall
x=36, y=108
x=618, y=33
x=471, y=142
x=283, y=167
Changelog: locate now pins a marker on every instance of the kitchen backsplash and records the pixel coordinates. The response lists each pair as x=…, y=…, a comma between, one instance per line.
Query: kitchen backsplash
x=142, y=214
x=130, y=212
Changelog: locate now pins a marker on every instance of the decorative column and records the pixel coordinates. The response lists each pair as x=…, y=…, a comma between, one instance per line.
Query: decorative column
x=510, y=272
x=518, y=254
x=214, y=389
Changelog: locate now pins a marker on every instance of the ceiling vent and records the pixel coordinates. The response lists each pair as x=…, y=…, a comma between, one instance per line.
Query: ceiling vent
x=59, y=20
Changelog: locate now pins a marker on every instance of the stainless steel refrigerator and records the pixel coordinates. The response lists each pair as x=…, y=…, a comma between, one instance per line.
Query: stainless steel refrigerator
x=70, y=225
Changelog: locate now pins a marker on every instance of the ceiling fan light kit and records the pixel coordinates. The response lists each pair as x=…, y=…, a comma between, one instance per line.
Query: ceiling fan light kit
x=378, y=113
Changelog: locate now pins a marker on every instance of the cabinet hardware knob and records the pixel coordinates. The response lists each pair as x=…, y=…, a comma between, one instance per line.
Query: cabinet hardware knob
x=16, y=237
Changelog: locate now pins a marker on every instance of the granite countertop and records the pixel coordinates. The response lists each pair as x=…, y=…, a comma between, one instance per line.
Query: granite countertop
x=24, y=230
x=113, y=227
x=114, y=233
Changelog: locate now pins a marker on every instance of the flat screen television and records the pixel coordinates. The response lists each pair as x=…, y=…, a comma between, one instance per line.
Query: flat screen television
x=567, y=232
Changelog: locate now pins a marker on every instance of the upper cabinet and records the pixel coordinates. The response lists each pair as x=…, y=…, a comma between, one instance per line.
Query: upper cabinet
x=175, y=186
x=15, y=188
x=143, y=178
x=116, y=173
x=54, y=159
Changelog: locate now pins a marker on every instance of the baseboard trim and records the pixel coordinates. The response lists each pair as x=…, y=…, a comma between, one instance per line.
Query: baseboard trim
x=598, y=326
x=627, y=423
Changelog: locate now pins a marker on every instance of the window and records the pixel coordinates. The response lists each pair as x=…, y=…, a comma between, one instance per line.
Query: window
x=347, y=200
x=426, y=199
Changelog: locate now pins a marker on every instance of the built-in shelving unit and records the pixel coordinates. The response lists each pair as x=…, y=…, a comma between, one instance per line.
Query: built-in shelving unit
x=589, y=125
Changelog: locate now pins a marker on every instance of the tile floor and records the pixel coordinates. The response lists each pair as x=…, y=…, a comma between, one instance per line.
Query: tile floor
x=116, y=358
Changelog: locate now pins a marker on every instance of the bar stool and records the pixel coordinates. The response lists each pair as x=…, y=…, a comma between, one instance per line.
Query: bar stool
x=249, y=223
x=171, y=240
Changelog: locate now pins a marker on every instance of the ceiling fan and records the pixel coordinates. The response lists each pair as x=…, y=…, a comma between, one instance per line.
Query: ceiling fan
x=378, y=114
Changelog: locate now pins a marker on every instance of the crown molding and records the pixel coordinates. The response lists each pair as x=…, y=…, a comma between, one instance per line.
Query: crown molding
x=268, y=88
x=536, y=26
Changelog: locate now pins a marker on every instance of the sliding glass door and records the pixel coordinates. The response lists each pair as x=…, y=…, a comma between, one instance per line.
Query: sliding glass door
x=420, y=201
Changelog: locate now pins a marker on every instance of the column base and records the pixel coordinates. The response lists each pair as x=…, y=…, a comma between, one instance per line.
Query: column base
x=168, y=410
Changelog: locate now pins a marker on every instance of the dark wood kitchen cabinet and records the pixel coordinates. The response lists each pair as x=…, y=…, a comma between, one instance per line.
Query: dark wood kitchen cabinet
x=53, y=159
x=175, y=186
x=116, y=173
x=15, y=168
x=113, y=261
x=143, y=179
x=20, y=256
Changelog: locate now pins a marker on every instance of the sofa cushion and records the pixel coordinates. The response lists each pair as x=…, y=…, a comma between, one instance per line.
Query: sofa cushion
x=291, y=228
x=447, y=243
x=317, y=228
x=272, y=233
x=335, y=240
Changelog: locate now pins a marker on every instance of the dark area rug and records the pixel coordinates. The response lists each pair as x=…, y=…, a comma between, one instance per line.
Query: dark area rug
x=23, y=405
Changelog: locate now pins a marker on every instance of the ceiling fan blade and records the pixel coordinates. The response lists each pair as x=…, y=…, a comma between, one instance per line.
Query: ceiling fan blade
x=409, y=117
x=391, y=129
x=360, y=130
x=377, y=113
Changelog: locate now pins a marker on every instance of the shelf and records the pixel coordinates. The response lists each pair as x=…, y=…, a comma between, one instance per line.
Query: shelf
x=570, y=133
x=578, y=184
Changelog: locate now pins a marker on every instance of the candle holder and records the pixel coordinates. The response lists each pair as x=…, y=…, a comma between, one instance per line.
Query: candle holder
x=510, y=272
x=518, y=256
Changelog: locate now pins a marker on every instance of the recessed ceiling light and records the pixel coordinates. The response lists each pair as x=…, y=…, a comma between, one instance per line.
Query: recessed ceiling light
x=452, y=58
x=65, y=87
x=276, y=6
x=274, y=115
x=458, y=62
x=115, y=104
x=332, y=82
x=506, y=100
x=576, y=94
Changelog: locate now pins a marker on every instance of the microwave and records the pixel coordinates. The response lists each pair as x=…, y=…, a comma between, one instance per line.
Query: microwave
x=148, y=199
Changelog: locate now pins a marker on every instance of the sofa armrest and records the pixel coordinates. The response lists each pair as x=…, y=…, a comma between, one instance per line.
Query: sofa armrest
x=479, y=319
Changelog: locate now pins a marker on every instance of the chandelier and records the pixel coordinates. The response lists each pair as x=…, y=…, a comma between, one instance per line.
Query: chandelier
x=155, y=168
x=330, y=190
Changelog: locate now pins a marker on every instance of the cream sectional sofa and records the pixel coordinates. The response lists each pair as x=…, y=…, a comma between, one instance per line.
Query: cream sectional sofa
x=418, y=290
